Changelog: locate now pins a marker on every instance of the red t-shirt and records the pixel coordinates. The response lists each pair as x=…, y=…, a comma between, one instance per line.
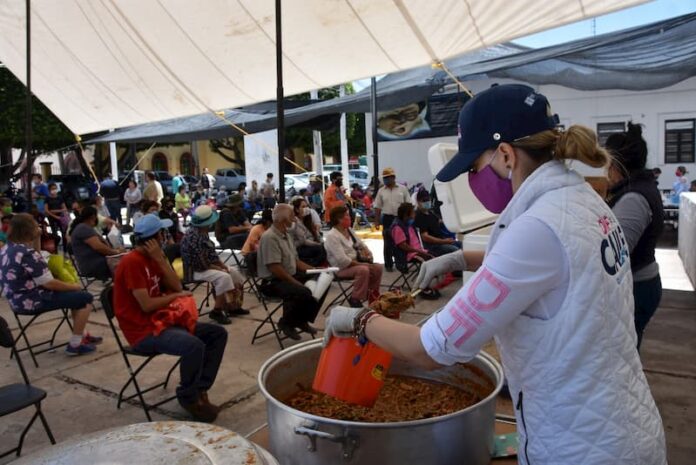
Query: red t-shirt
x=135, y=271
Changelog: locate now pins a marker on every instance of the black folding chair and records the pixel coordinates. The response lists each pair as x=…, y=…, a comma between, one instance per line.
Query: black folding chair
x=236, y=246
x=18, y=396
x=266, y=302
x=87, y=281
x=345, y=286
x=37, y=348
x=128, y=351
x=172, y=252
x=407, y=273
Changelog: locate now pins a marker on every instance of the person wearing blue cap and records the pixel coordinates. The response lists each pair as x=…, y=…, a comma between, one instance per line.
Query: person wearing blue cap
x=144, y=283
x=554, y=287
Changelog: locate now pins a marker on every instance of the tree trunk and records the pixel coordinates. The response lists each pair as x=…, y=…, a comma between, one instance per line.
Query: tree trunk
x=6, y=168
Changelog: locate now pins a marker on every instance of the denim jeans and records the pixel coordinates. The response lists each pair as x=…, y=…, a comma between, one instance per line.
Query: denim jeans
x=646, y=295
x=201, y=354
x=443, y=249
x=114, y=207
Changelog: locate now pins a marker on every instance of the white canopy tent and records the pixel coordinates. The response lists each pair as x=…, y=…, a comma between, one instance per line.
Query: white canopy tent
x=100, y=64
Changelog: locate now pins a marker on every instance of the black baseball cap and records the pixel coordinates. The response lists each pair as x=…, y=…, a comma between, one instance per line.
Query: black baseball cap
x=503, y=113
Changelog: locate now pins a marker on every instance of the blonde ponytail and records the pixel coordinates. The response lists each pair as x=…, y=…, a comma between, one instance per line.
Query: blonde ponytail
x=580, y=143
x=575, y=143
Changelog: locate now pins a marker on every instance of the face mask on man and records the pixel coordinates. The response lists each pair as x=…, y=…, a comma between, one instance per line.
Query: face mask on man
x=389, y=181
x=492, y=191
x=305, y=211
x=339, y=182
x=53, y=192
x=426, y=205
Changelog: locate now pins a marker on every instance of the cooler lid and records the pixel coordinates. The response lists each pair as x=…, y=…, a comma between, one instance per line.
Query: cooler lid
x=461, y=210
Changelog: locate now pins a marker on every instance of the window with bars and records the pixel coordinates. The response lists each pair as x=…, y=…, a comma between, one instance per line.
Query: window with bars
x=604, y=130
x=679, y=140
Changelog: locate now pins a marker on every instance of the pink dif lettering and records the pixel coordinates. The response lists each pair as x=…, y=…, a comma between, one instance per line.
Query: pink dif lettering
x=502, y=288
x=463, y=317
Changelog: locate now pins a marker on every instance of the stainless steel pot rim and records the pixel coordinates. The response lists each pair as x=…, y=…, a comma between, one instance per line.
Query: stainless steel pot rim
x=486, y=358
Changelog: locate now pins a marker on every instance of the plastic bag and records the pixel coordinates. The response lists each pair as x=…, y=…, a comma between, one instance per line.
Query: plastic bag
x=62, y=269
x=115, y=238
x=320, y=286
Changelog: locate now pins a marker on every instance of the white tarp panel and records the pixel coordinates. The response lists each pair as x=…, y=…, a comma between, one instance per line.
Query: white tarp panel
x=100, y=64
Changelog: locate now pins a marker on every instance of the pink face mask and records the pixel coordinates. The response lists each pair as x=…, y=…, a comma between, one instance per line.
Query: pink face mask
x=492, y=191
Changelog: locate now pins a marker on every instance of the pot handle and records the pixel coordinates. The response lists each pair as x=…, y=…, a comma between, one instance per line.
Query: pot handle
x=348, y=441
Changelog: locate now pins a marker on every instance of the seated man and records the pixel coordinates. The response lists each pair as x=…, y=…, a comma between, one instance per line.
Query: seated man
x=282, y=274
x=233, y=228
x=202, y=263
x=430, y=227
x=144, y=283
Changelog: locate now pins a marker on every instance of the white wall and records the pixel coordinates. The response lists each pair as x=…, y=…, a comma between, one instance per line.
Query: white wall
x=261, y=156
x=650, y=108
x=687, y=234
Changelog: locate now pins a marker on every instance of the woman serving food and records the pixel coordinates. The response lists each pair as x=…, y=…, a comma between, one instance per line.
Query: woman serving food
x=554, y=288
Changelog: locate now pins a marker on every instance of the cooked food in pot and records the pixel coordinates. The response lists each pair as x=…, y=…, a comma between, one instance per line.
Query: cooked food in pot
x=403, y=398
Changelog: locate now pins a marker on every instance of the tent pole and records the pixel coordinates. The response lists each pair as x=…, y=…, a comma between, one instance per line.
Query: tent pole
x=375, y=144
x=29, y=129
x=280, y=111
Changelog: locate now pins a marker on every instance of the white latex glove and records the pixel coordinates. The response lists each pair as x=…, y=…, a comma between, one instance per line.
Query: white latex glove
x=439, y=266
x=341, y=322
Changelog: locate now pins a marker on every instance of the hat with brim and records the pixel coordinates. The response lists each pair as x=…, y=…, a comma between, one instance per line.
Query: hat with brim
x=234, y=200
x=386, y=172
x=504, y=113
x=151, y=224
x=203, y=216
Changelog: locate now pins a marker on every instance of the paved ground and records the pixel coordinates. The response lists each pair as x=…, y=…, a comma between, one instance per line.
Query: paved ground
x=82, y=391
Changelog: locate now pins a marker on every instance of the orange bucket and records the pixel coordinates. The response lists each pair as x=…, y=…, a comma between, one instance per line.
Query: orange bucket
x=352, y=371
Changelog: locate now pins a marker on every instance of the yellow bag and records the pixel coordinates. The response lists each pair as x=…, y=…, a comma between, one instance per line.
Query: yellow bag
x=62, y=269
x=178, y=266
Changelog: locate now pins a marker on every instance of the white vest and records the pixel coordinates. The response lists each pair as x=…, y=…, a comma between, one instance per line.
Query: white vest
x=576, y=380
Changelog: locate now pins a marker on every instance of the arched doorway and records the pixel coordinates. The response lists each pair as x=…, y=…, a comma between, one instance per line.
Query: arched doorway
x=160, y=162
x=186, y=165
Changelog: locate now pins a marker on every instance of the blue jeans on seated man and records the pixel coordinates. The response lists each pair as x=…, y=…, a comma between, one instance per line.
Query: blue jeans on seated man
x=443, y=249
x=200, y=352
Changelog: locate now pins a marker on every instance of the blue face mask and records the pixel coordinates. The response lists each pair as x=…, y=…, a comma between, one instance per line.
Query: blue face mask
x=427, y=205
x=410, y=222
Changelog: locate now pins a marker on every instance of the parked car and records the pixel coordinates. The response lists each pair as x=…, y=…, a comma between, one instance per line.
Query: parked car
x=191, y=181
x=290, y=190
x=229, y=178
x=73, y=187
x=300, y=181
x=359, y=176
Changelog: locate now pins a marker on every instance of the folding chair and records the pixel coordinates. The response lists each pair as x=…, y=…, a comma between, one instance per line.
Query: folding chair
x=406, y=273
x=266, y=301
x=18, y=396
x=343, y=292
x=86, y=281
x=236, y=246
x=36, y=348
x=128, y=351
x=172, y=252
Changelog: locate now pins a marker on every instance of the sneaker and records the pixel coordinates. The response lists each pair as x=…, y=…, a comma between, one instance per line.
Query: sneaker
x=289, y=331
x=430, y=294
x=94, y=340
x=200, y=411
x=82, y=349
x=220, y=317
x=237, y=311
x=307, y=328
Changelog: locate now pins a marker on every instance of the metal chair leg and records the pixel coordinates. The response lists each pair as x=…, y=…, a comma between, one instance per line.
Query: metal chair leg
x=49, y=433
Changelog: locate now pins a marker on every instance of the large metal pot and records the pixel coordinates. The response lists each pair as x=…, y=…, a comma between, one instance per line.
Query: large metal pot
x=299, y=438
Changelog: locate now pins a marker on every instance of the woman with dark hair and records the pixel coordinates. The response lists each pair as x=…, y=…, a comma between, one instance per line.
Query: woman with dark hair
x=352, y=257
x=305, y=234
x=89, y=248
x=637, y=205
x=31, y=289
x=252, y=241
x=133, y=197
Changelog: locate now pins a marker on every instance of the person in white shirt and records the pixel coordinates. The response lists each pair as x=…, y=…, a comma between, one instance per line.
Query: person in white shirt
x=268, y=192
x=386, y=204
x=209, y=183
x=347, y=252
x=554, y=288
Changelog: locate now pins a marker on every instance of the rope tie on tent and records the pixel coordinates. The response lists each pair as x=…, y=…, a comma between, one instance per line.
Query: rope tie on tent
x=221, y=115
x=437, y=64
x=78, y=139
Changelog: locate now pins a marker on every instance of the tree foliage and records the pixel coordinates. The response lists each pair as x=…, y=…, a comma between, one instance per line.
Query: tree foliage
x=48, y=133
